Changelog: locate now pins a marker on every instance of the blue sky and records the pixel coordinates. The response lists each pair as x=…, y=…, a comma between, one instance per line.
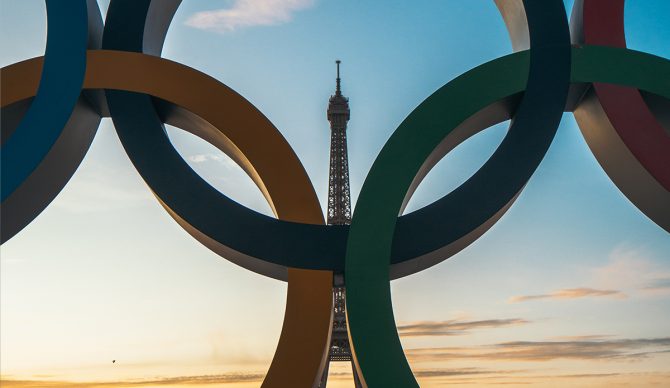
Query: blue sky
x=104, y=273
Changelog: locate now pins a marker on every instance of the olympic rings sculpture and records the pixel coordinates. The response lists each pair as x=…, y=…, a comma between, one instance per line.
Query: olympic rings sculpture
x=52, y=106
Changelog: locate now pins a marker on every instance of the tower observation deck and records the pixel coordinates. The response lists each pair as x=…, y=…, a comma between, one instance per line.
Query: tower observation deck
x=339, y=213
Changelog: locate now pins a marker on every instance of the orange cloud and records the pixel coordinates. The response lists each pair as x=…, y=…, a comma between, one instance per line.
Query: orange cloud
x=600, y=350
x=453, y=327
x=466, y=376
x=571, y=293
x=227, y=378
x=658, y=378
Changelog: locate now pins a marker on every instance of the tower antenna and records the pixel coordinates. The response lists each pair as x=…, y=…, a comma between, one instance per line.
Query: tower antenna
x=338, y=90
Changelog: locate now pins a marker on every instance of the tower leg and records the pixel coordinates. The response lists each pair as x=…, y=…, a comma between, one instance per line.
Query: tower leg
x=324, y=378
x=357, y=381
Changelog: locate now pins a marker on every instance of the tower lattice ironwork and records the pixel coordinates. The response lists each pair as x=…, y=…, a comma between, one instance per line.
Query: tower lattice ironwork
x=339, y=200
x=339, y=213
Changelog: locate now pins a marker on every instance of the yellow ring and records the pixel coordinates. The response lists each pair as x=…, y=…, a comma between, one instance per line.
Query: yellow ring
x=234, y=126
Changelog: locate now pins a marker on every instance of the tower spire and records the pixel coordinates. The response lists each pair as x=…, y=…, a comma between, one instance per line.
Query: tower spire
x=338, y=90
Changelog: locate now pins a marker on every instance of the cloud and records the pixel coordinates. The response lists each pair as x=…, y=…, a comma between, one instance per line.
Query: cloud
x=92, y=191
x=231, y=378
x=453, y=327
x=538, y=374
x=466, y=375
x=248, y=13
x=633, y=269
x=602, y=350
x=226, y=378
x=658, y=285
x=223, y=159
x=517, y=378
x=463, y=372
x=571, y=293
x=11, y=260
x=201, y=158
x=583, y=337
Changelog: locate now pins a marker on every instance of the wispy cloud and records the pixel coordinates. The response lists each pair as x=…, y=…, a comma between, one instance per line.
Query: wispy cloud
x=248, y=13
x=659, y=284
x=453, y=327
x=93, y=192
x=221, y=159
x=463, y=372
x=11, y=260
x=582, y=337
x=571, y=293
x=635, y=270
x=519, y=379
x=603, y=350
x=202, y=158
x=461, y=376
x=226, y=378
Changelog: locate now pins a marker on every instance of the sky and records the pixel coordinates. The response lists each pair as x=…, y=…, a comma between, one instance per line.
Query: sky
x=570, y=287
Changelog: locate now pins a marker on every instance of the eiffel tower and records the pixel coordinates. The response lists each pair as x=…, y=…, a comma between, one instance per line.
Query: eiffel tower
x=339, y=213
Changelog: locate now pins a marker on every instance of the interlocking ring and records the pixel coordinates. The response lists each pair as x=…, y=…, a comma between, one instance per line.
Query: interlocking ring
x=52, y=106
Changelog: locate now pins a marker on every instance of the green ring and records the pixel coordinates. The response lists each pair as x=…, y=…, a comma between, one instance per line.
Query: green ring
x=370, y=238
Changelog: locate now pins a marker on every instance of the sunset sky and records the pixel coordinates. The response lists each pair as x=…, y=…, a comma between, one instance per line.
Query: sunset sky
x=570, y=288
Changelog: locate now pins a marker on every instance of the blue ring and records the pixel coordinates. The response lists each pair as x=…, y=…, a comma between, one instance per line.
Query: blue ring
x=58, y=92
